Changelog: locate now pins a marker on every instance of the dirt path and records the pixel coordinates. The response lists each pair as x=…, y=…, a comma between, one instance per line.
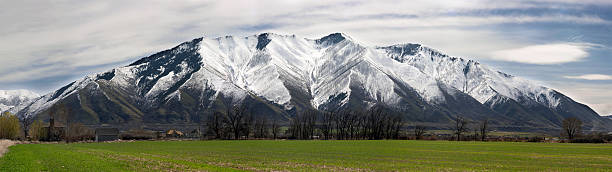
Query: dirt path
x=4, y=144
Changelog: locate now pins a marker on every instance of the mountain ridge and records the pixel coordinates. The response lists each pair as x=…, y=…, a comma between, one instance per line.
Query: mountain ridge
x=284, y=75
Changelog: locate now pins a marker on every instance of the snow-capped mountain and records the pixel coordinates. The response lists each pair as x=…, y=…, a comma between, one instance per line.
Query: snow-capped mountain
x=280, y=75
x=9, y=99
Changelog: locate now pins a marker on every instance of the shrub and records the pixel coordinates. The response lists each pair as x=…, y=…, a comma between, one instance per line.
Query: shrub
x=587, y=140
x=607, y=137
x=594, y=137
x=137, y=134
x=9, y=126
x=535, y=139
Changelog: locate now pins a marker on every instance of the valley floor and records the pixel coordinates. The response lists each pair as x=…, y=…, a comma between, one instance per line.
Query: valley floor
x=268, y=155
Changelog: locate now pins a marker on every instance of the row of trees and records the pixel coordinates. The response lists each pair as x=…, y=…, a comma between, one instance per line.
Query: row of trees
x=9, y=126
x=237, y=123
x=374, y=124
x=571, y=128
x=480, y=131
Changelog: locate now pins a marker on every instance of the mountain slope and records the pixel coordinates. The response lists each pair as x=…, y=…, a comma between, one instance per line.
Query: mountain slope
x=10, y=99
x=281, y=75
x=511, y=96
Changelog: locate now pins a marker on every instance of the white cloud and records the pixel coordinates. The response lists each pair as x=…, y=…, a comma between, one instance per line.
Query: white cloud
x=604, y=109
x=544, y=54
x=592, y=2
x=33, y=74
x=591, y=77
x=596, y=96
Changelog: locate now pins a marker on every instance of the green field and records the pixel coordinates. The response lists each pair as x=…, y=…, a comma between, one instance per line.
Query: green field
x=383, y=155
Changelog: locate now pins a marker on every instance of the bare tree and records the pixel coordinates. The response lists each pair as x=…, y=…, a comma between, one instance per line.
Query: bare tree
x=25, y=125
x=247, y=125
x=261, y=127
x=310, y=119
x=215, y=125
x=419, y=130
x=275, y=129
x=339, y=121
x=327, y=124
x=234, y=119
x=295, y=126
x=460, y=127
x=351, y=120
x=303, y=125
x=374, y=126
x=484, y=129
x=397, y=122
x=572, y=127
x=346, y=124
x=387, y=126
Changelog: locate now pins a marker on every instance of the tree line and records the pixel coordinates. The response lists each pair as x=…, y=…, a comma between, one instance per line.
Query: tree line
x=373, y=124
x=28, y=128
x=347, y=125
x=238, y=123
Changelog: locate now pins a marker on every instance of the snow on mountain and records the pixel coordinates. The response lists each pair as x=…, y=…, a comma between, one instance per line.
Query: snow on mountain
x=471, y=77
x=46, y=101
x=289, y=71
x=262, y=65
x=254, y=64
x=12, y=98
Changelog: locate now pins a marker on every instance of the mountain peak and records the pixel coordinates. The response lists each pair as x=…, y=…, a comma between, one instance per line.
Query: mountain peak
x=412, y=49
x=332, y=39
x=262, y=41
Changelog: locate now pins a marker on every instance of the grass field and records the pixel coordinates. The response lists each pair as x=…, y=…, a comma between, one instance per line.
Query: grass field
x=384, y=155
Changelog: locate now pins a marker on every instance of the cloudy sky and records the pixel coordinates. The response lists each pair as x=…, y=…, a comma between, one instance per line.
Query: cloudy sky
x=563, y=44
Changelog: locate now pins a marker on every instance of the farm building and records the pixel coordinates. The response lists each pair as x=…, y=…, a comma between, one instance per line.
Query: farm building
x=106, y=134
x=174, y=134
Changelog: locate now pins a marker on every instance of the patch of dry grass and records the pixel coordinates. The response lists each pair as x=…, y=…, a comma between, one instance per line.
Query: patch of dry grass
x=4, y=144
